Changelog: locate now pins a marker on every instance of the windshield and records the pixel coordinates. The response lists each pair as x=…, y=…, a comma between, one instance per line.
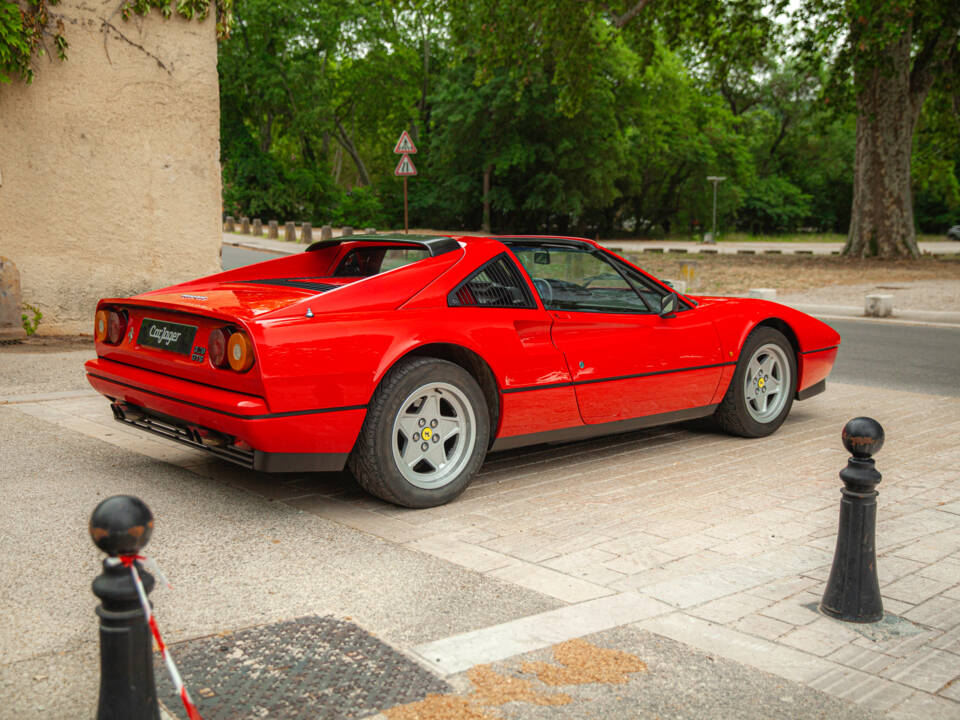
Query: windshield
x=569, y=278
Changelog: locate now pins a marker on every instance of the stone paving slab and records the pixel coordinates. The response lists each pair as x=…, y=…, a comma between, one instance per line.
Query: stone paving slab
x=628, y=672
x=735, y=536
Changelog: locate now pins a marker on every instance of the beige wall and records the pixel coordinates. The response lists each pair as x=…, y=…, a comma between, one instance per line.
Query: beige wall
x=109, y=164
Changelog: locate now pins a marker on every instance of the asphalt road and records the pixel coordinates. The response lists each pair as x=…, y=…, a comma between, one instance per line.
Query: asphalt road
x=232, y=257
x=898, y=356
x=915, y=358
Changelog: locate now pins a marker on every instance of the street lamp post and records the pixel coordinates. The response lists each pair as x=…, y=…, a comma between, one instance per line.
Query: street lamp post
x=716, y=180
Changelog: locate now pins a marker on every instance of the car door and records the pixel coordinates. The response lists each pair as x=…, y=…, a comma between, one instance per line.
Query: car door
x=625, y=360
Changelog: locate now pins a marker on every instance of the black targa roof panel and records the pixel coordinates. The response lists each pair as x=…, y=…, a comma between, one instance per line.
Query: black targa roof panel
x=434, y=244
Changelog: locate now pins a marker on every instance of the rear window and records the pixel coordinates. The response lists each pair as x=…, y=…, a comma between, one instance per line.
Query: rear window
x=364, y=262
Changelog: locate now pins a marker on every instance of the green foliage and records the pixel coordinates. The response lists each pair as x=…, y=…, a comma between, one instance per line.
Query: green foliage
x=21, y=37
x=772, y=205
x=586, y=124
x=30, y=323
x=24, y=25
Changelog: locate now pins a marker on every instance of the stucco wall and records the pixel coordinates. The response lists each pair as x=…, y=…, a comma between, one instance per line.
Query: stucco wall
x=109, y=163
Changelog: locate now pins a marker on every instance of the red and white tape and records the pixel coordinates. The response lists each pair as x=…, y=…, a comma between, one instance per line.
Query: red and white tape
x=129, y=561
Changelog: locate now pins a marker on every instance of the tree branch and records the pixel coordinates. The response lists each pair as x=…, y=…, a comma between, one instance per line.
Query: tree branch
x=630, y=14
x=938, y=47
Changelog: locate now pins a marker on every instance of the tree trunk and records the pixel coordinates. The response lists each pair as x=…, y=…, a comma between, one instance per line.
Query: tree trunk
x=486, y=198
x=347, y=143
x=881, y=222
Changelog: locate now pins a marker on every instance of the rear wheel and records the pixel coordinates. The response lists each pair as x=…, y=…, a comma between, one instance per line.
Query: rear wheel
x=425, y=434
x=761, y=392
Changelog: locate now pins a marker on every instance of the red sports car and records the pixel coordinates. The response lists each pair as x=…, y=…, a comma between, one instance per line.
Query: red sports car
x=408, y=358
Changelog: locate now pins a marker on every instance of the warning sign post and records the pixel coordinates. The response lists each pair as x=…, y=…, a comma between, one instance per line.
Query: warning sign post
x=405, y=168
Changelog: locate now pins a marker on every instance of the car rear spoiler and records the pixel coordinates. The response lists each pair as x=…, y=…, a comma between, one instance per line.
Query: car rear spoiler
x=435, y=244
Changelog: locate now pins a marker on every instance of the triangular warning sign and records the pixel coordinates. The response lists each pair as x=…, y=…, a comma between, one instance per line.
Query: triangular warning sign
x=405, y=167
x=405, y=144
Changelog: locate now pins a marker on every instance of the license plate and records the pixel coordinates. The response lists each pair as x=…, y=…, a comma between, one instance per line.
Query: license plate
x=165, y=335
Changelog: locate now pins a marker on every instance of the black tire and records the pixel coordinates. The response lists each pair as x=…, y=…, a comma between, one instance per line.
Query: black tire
x=373, y=462
x=732, y=415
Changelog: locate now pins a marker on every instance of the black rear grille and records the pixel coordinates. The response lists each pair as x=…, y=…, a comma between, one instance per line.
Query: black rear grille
x=301, y=283
x=179, y=432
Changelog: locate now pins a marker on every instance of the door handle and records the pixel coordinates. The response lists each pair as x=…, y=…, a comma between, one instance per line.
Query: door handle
x=561, y=315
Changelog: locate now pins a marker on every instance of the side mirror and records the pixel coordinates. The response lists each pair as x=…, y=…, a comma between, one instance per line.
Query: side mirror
x=668, y=305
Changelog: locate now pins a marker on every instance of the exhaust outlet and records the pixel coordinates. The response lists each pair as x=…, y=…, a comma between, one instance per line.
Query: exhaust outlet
x=126, y=413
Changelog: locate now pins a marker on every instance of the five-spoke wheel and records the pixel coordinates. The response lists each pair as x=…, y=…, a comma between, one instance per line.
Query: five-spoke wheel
x=425, y=434
x=761, y=393
x=766, y=382
x=434, y=433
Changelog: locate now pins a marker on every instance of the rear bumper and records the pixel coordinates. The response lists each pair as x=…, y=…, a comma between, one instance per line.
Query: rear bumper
x=244, y=428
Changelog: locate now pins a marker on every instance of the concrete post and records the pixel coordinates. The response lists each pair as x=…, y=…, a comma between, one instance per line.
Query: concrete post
x=290, y=232
x=878, y=306
x=272, y=231
x=347, y=232
x=245, y=225
x=326, y=233
x=306, y=233
x=228, y=225
x=11, y=326
x=257, y=228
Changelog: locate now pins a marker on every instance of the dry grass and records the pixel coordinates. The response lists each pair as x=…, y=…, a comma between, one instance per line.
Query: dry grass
x=731, y=274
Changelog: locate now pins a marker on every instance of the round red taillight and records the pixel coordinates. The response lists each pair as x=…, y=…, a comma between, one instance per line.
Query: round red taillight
x=217, y=346
x=116, y=326
x=109, y=326
x=100, y=325
x=240, y=352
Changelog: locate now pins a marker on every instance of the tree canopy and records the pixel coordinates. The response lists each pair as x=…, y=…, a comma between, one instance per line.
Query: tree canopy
x=588, y=116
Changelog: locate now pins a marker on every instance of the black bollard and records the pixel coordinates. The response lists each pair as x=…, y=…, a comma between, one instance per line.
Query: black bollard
x=853, y=590
x=121, y=525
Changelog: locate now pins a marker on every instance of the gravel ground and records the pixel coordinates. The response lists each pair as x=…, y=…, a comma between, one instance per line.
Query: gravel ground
x=825, y=276
x=917, y=295
x=43, y=365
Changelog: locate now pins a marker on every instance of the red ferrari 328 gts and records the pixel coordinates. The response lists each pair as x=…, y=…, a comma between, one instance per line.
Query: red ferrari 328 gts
x=408, y=358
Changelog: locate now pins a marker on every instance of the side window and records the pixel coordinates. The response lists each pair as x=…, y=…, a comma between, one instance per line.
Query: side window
x=576, y=279
x=496, y=284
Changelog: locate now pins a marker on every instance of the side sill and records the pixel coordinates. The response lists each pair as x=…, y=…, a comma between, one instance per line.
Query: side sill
x=809, y=392
x=582, y=432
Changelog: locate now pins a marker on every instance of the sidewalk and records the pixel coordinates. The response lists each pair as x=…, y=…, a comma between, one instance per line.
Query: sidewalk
x=684, y=549
x=947, y=247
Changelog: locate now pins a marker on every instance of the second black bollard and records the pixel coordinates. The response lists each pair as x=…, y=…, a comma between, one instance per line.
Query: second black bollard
x=853, y=590
x=121, y=525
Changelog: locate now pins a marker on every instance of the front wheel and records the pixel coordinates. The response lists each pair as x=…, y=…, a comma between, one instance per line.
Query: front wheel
x=425, y=434
x=761, y=392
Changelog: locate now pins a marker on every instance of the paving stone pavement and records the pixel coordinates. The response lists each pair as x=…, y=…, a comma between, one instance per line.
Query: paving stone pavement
x=718, y=542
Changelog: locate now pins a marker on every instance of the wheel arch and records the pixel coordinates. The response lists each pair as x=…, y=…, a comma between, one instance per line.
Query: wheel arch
x=784, y=327
x=470, y=361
